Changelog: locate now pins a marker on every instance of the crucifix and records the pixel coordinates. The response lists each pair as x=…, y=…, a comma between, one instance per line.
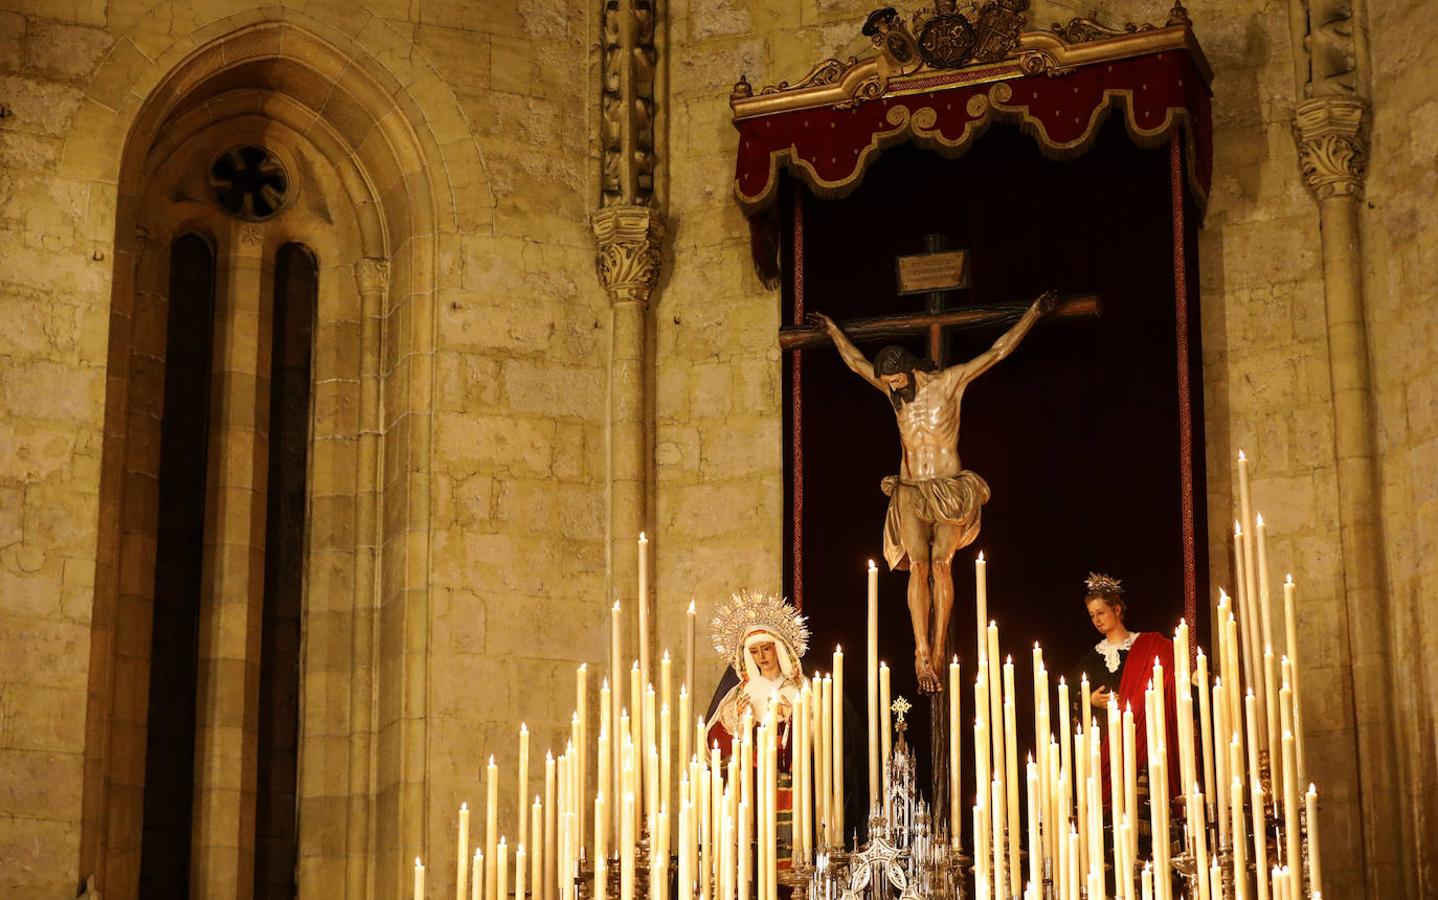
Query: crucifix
x=934, y=503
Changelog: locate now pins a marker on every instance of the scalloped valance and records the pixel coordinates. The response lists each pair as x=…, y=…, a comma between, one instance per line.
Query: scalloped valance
x=1058, y=86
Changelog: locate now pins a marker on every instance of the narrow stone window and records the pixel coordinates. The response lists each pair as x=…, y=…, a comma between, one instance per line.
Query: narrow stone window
x=276, y=831
x=179, y=551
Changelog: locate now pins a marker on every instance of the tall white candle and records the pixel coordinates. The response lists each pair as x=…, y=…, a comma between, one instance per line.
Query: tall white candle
x=1315, y=867
x=491, y=827
x=956, y=822
x=519, y=870
x=690, y=618
x=643, y=601
x=476, y=872
x=838, y=772
x=462, y=854
x=418, y=879
x=601, y=850
x=1011, y=776
x=616, y=683
x=872, y=677
x=501, y=869
x=581, y=746
x=981, y=606
x=551, y=828
x=536, y=859
x=626, y=849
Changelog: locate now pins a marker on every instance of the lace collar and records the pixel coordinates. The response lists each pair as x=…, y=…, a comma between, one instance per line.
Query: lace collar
x=1110, y=652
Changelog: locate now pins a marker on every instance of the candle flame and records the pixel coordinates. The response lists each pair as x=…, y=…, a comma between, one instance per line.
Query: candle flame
x=981, y=556
x=956, y=659
x=491, y=760
x=635, y=666
x=666, y=655
x=1288, y=579
x=1237, y=529
x=871, y=565
x=1009, y=659
x=642, y=538
x=604, y=685
x=615, y=607
x=501, y=840
x=417, y=864
x=464, y=807
x=1260, y=520
x=1241, y=457
x=838, y=649
x=523, y=728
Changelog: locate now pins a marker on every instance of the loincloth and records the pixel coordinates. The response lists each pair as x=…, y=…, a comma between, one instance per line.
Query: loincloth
x=957, y=500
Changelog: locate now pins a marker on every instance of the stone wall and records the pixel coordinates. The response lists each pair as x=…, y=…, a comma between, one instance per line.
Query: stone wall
x=515, y=514
x=55, y=240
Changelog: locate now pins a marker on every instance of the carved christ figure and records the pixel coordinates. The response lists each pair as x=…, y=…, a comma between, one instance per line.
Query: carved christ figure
x=934, y=503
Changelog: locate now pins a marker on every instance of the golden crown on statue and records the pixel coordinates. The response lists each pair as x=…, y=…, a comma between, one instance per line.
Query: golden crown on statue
x=749, y=610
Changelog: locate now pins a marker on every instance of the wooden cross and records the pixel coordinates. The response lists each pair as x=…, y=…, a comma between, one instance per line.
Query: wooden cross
x=936, y=273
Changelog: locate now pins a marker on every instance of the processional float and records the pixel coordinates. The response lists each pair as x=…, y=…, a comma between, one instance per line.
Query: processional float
x=648, y=806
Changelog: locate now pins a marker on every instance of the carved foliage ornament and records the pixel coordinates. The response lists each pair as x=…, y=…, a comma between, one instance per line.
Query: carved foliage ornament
x=627, y=250
x=1333, y=145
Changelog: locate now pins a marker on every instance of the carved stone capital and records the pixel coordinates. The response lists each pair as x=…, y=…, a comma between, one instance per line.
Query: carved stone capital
x=1332, y=135
x=627, y=241
x=373, y=275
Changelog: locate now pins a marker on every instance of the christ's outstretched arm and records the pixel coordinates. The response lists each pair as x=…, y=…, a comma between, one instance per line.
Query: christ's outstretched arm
x=967, y=371
x=852, y=356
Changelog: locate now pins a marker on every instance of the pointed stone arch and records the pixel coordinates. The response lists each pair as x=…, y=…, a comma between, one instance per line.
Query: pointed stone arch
x=352, y=92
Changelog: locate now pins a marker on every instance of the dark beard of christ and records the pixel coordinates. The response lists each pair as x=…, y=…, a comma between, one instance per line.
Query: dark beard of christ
x=893, y=360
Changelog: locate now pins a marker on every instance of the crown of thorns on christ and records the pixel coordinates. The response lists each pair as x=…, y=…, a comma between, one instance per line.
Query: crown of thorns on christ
x=1102, y=585
x=748, y=610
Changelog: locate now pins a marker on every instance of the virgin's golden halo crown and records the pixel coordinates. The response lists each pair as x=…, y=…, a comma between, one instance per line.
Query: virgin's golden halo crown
x=747, y=610
x=1099, y=583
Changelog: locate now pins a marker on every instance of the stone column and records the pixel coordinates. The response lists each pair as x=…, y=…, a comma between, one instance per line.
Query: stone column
x=372, y=279
x=223, y=838
x=1332, y=134
x=628, y=239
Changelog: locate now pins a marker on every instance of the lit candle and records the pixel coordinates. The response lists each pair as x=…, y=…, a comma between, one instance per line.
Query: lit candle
x=1146, y=880
x=643, y=601
x=802, y=764
x=981, y=603
x=491, y=828
x=838, y=772
x=501, y=869
x=690, y=617
x=1205, y=723
x=666, y=769
x=462, y=856
x=955, y=777
x=601, y=851
x=519, y=871
x=418, y=879
x=1270, y=686
x=617, y=685
x=685, y=715
x=996, y=699
x=476, y=886
x=536, y=859
x=746, y=843
x=1116, y=776
x=1130, y=782
x=1290, y=801
x=1065, y=728
x=1258, y=812
x=872, y=676
x=1035, y=856
x=581, y=762
x=1315, y=867
x=1011, y=775
x=636, y=728
x=823, y=787
x=551, y=828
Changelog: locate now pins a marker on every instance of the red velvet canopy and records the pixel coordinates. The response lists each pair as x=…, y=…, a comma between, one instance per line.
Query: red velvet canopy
x=830, y=127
